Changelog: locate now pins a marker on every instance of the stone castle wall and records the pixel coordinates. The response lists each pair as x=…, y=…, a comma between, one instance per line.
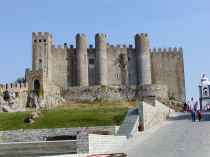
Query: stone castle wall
x=68, y=66
x=14, y=87
x=115, y=93
x=168, y=68
x=59, y=67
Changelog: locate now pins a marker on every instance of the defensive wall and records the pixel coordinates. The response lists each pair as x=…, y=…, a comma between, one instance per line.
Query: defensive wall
x=168, y=68
x=14, y=87
x=106, y=64
x=115, y=93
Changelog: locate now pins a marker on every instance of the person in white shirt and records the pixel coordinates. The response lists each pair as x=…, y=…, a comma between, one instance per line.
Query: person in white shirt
x=193, y=109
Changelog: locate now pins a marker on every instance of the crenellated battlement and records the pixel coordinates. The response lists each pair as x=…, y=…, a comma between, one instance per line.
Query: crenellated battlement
x=166, y=50
x=41, y=37
x=80, y=35
x=141, y=35
x=99, y=38
x=14, y=87
x=59, y=46
x=41, y=34
x=91, y=46
x=118, y=46
x=101, y=35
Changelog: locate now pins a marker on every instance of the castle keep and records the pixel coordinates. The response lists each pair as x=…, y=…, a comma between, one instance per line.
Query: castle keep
x=57, y=69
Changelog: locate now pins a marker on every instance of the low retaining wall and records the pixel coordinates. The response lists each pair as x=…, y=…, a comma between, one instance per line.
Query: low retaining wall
x=34, y=141
x=38, y=137
x=151, y=113
x=99, y=144
x=38, y=148
x=32, y=135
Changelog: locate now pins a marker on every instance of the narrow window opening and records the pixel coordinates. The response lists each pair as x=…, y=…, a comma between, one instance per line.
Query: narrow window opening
x=91, y=61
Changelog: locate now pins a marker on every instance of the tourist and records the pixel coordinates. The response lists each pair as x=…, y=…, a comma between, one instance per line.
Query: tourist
x=196, y=106
x=193, y=115
x=199, y=114
x=191, y=104
x=185, y=107
x=193, y=109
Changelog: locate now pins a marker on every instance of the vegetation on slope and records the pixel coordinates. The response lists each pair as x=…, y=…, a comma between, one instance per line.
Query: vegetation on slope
x=69, y=115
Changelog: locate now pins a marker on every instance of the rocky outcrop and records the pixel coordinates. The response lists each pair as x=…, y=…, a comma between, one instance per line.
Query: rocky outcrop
x=47, y=102
x=13, y=102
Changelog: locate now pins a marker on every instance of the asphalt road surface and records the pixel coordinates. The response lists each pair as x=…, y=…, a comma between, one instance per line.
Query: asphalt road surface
x=178, y=138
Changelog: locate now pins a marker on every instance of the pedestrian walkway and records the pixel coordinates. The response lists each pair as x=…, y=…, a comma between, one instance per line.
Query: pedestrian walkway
x=177, y=138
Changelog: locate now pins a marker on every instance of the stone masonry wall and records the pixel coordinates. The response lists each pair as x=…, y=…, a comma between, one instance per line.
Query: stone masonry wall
x=99, y=144
x=152, y=112
x=40, y=135
x=59, y=57
x=168, y=68
x=115, y=93
x=35, y=135
x=60, y=64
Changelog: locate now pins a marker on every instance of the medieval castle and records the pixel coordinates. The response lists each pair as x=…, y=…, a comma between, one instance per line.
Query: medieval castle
x=78, y=72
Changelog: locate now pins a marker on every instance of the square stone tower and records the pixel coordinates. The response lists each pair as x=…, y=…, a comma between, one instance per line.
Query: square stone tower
x=41, y=74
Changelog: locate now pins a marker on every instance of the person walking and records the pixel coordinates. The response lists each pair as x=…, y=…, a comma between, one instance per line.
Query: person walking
x=199, y=114
x=193, y=115
x=192, y=106
x=185, y=107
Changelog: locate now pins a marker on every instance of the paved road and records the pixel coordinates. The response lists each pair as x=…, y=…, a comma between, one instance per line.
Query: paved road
x=180, y=138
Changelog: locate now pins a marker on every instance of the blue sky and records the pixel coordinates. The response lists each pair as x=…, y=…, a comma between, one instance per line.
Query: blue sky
x=180, y=23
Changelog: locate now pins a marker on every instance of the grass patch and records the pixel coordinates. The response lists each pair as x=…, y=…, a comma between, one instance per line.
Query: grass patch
x=69, y=115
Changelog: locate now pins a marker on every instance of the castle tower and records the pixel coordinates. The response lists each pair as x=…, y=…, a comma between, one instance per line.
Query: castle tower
x=101, y=59
x=82, y=59
x=41, y=47
x=143, y=59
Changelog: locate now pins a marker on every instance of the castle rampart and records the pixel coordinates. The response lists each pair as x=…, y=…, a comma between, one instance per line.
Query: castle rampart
x=14, y=87
x=107, y=64
x=168, y=68
x=169, y=50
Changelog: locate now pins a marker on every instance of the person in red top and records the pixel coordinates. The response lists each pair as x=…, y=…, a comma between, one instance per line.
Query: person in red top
x=199, y=114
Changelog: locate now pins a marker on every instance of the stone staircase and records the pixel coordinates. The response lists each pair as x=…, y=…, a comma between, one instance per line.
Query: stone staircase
x=130, y=124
